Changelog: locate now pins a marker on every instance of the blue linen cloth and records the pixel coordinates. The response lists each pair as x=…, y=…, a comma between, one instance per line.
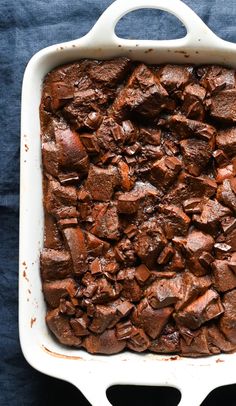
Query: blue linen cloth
x=26, y=26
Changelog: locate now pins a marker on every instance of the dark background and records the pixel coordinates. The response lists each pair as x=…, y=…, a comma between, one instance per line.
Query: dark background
x=25, y=27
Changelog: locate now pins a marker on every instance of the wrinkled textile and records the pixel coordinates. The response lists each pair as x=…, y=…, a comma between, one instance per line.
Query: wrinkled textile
x=25, y=27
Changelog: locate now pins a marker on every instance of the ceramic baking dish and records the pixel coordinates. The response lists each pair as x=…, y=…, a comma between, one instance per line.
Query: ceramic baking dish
x=93, y=374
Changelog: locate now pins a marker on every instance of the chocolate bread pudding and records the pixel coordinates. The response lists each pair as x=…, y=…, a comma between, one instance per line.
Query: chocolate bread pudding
x=139, y=179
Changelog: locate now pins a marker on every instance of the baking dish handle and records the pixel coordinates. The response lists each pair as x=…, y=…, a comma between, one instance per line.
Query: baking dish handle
x=103, y=32
x=94, y=393
x=191, y=393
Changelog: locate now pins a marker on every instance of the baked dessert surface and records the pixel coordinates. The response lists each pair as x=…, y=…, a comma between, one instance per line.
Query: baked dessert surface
x=140, y=200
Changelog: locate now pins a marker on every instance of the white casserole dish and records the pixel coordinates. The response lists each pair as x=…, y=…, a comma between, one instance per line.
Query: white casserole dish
x=93, y=374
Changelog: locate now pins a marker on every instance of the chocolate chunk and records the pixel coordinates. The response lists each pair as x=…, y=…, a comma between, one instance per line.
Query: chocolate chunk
x=95, y=267
x=224, y=278
x=64, y=223
x=85, y=100
x=138, y=341
x=164, y=292
x=126, y=180
x=106, y=222
x=55, y=264
x=228, y=224
x=186, y=128
x=201, y=186
x=193, y=206
x=176, y=264
x=222, y=249
x=124, y=330
x=197, y=244
x=173, y=163
x=67, y=307
x=90, y=290
x=174, y=77
x=130, y=131
x=90, y=143
x=50, y=157
x=217, y=341
x=193, y=97
x=193, y=108
x=133, y=149
x=149, y=135
x=60, y=201
x=71, y=152
x=175, y=221
x=130, y=288
x=105, y=343
x=93, y=120
x=54, y=290
x=230, y=239
x=131, y=231
x=79, y=326
x=60, y=326
x=143, y=94
x=142, y=195
x=109, y=72
x=192, y=287
x=95, y=246
x=165, y=255
x=223, y=105
x=111, y=267
x=105, y=291
x=206, y=259
x=148, y=245
x=216, y=78
x=225, y=172
x=165, y=171
x=101, y=182
x=191, y=187
x=210, y=217
x=162, y=274
x=198, y=346
x=125, y=252
x=128, y=203
x=226, y=195
x=151, y=320
x=196, y=155
x=220, y=157
x=59, y=93
x=142, y=274
x=110, y=135
x=228, y=320
x=166, y=343
x=226, y=140
x=124, y=308
x=52, y=236
x=102, y=318
x=68, y=178
x=204, y=308
x=76, y=244
x=196, y=90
